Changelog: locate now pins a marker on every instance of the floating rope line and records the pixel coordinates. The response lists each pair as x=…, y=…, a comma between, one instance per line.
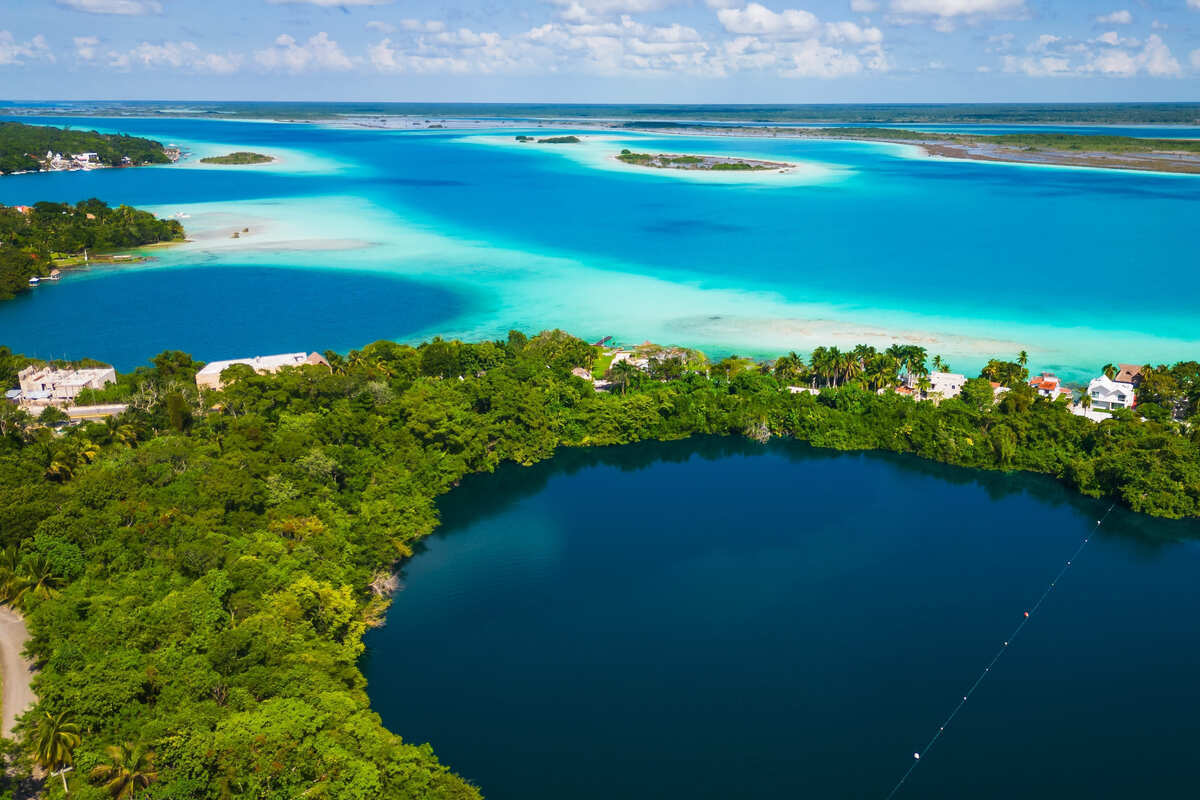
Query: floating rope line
x=917, y=756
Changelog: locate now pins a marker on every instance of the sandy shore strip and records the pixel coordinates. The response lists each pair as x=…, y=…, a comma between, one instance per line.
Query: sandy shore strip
x=18, y=696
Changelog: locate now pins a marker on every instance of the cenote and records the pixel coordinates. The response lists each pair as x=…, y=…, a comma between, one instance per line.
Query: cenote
x=717, y=619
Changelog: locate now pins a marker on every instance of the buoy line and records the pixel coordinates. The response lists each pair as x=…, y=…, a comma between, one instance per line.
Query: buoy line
x=1028, y=614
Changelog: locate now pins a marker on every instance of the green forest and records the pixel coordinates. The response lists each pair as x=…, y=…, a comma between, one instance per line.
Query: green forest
x=197, y=574
x=22, y=147
x=31, y=241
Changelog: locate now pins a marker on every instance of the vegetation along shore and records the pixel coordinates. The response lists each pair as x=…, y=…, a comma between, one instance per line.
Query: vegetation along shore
x=36, y=240
x=238, y=158
x=699, y=163
x=1062, y=149
x=197, y=572
x=39, y=148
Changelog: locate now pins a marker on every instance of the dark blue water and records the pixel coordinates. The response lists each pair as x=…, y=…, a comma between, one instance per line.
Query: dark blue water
x=716, y=619
x=130, y=315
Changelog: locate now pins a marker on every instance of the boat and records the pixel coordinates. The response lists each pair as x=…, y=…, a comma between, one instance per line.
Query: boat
x=35, y=280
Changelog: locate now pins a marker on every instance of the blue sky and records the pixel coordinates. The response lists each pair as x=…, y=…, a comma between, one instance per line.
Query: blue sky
x=786, y=51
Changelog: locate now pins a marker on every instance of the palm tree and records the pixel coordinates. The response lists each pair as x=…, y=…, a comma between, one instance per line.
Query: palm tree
x=55, y=739
x=622, y=373
x=38, y=581
x=130, y=769
x=923, y=384
x=1109, y=371
x=835, y=364
x=938, y=364
x=10, y=561
x=1086, y=401
x=1023, y=358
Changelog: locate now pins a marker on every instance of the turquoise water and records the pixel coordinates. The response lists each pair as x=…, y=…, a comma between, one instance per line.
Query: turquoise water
x=863, y=243
x=716, y=619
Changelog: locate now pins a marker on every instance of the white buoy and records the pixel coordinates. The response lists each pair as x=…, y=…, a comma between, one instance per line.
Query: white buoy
x=916, y=755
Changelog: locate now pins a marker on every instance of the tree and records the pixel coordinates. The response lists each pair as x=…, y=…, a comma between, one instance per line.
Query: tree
x=1109, y=371
x=1023, y=358
x=36, y=580
x=55, y=738
x=130, y=769
x=622, y=374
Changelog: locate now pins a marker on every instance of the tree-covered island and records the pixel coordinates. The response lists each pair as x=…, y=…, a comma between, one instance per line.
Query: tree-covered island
x=701, y=163
x=240, y=157
x=36, y=239
x=197, y=573
x=33, y=148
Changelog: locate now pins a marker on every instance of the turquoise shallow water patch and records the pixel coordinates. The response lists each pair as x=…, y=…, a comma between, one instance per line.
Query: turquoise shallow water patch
x=1077, y=267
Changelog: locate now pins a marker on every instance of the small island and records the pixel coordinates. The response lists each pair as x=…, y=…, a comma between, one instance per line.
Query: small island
x=240, y=157
x=559, y=140
x=702, y=163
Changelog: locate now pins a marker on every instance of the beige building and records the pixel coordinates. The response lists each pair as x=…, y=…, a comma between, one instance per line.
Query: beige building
x=210, y=376
x=46, y=386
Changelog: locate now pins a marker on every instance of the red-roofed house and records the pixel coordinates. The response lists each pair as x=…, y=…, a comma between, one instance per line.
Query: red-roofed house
x=1049, y=385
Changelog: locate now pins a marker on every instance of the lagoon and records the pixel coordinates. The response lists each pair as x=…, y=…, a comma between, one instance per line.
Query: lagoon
x=865, y=243
x=716, y=619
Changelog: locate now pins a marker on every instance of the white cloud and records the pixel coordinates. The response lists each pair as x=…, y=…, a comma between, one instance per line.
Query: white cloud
x=1038, y=67
x=1116, y=57
x=958, y=8
x=757, y=19
x=864, y=6
x=319, y=52
x=166, y=55
x=85, y=47
x=1042, y=42
x=1121, y=17
x=850, y=32
x=1000, y=42
x=1158, y=26
x=1193, y=3
x=122, y=7
x=579, y=11
x=330, y=3
x=15, y=52
x=428, y=26
x=381, y=26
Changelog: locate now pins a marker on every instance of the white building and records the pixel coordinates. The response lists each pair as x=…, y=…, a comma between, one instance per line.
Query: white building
x=47, y=386
x=943, y=384
x=210, y=376
x=1049, y=385
x=1107, y=394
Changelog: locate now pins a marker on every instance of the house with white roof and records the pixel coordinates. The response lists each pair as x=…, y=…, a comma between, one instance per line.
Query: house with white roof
x=210, y=376
x=1107, y=394
x=47, y=386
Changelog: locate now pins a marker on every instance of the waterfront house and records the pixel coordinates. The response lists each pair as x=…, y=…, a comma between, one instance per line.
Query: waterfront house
x=1107, y=394
x=944, y=384
x=210, y=376
x=1049, y=385
x=1128, y=373
x=42, y=385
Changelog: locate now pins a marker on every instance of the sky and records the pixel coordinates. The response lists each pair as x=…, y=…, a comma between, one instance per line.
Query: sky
x=618, y=51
